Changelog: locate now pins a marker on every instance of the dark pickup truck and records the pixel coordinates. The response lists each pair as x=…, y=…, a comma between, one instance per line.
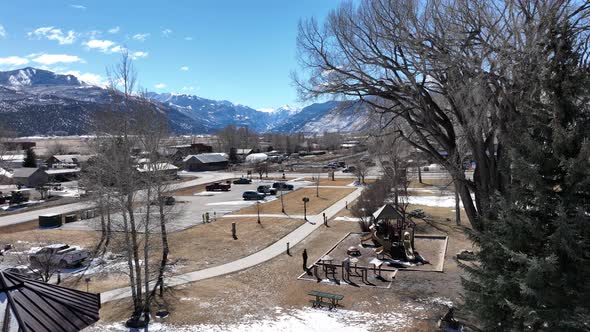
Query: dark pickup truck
x=282, y=186
x=218, y=186
x=266, y=190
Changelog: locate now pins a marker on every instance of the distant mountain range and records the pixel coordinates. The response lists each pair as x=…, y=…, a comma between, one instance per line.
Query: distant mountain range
x=40, y=102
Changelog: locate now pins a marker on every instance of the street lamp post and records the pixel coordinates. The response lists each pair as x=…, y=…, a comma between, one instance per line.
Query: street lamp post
x=258, y=210
x=305, y=200
x=282, y=202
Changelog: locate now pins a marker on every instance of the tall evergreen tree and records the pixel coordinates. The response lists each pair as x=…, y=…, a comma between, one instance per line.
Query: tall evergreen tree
x=534, y=271
x=30, y=159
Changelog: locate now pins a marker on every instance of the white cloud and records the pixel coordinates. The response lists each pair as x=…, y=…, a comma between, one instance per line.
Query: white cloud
x=52, y=33
x=160, y=86
x=78, y=7
x=188, y=38
x=117, y=49
x=2, y=31
x=102, y=45
x=139, y=54
x=13, y=61
x=50, y=59
x=92, y=79
x=166, y=32
x=115, y=30
x=141, y=36
x=184, y=68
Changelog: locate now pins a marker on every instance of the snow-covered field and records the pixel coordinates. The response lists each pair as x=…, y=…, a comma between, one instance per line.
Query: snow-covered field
x=305, y=319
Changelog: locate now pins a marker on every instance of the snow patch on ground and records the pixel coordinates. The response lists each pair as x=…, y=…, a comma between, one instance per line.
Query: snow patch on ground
x=438, y=201
x=306, y=319
x=347, y=219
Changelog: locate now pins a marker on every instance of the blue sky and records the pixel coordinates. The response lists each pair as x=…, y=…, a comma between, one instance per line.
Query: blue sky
x=241, y=51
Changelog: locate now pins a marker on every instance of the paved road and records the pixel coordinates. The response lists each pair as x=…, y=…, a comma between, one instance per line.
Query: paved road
x=25, y=216
x=259, y=257
x=188, y=210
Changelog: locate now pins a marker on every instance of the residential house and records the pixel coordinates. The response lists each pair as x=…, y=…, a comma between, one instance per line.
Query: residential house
x=205, y=162
x=182, y=151
x=31, y=177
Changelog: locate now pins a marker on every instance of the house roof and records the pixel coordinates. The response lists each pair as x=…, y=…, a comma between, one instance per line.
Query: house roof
x=24, y=172
x=387, y=211
x=71, y=158
x=32, y=305
x=157, y=167
x=207, y=158
x=55, y=171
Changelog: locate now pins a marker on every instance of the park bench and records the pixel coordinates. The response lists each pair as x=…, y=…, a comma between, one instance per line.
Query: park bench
x=321, y=299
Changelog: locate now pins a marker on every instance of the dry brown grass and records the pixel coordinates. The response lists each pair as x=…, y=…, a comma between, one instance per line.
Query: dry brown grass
x=259, y=290
x=205, y=246
x=294, y=201
x=78, y=238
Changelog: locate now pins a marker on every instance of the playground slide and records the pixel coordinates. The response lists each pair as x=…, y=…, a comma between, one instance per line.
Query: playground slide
x=408, y=247
x=386, y=244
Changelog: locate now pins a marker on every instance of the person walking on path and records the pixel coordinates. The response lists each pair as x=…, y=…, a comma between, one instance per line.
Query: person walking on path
x=305, y=261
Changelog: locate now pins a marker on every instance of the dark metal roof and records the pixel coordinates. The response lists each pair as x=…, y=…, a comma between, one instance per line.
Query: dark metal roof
x=387, y=211
x=207, y=158
x=31, y=305
x=24, y=172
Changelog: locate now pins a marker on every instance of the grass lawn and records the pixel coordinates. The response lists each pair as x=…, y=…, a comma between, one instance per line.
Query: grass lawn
x=196, y=248
x=259, y=291
x=294, y=201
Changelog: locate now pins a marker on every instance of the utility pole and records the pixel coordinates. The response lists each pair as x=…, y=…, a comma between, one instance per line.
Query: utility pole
x=305, y=200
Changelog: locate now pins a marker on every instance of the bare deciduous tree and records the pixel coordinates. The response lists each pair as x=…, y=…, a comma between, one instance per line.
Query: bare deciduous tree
x=453, y=71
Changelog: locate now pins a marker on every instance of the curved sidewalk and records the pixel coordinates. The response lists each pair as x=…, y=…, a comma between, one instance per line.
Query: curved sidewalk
x=259, y=257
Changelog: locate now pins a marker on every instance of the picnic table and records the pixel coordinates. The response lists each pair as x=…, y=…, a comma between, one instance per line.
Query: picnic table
x=322, y=297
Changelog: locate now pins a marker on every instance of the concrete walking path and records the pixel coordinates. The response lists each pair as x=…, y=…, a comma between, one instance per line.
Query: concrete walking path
x=265, y=215
x=259, y=257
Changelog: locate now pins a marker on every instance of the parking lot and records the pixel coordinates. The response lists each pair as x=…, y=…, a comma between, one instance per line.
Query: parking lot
x=188, y=210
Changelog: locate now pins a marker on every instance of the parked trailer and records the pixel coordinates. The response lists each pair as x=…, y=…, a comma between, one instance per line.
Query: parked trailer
x=50, y=220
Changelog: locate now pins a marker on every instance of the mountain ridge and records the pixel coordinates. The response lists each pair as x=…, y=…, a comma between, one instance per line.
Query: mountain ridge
x=38, y=102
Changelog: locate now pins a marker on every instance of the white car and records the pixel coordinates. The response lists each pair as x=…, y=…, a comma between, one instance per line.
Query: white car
x=61, y=255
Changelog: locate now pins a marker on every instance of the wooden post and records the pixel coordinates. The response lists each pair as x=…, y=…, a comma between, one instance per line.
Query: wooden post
x=233, y=230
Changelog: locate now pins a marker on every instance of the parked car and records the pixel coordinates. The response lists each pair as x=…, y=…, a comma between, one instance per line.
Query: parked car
x=218, y=186
x=267, y=190
x=168, y=200
x=61, y=255
x=349, y=169
x=341, y=164
x=242, y=181
x=26, y=271
x=282, y=186
x=248, y=195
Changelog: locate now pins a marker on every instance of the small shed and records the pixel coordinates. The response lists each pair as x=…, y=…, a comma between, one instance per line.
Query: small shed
x=31, y=177
x=205, y=162
x=30, y=305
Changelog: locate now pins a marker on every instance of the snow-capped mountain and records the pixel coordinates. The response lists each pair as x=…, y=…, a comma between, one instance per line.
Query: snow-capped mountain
x=35, y=101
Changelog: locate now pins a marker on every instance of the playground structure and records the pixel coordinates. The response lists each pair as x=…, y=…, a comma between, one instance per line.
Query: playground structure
x=392, y=235
x=373, y=258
